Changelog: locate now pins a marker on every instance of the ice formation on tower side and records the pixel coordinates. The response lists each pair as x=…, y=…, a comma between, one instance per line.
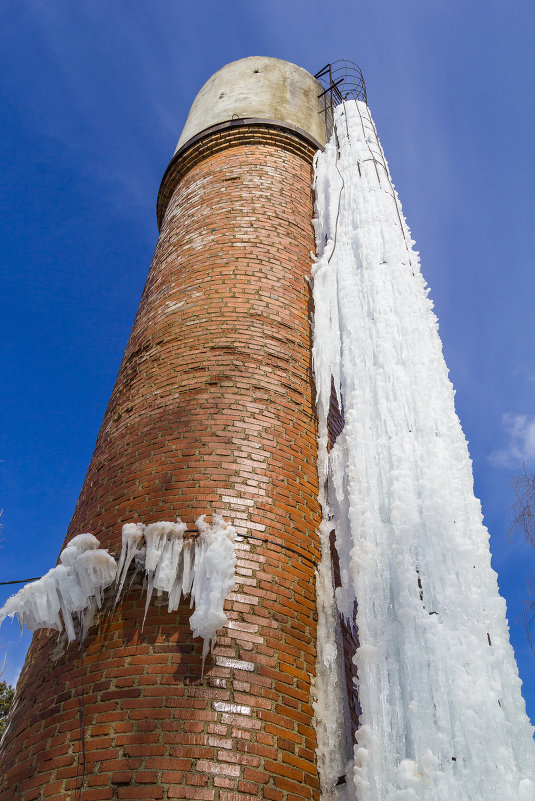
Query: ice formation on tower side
x=73, y=587
x=203, y=568
x=163, y=547
x=328, y=689
x=132, y=542
x=442, y=713
x=214, y=578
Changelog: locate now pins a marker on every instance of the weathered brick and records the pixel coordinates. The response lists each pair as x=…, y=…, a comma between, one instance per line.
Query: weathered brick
x=212, y=410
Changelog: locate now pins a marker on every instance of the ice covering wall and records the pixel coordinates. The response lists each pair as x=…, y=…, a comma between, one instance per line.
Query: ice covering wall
x=442, y=713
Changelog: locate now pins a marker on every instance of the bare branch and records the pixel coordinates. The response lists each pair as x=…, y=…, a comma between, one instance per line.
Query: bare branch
x=524, y=506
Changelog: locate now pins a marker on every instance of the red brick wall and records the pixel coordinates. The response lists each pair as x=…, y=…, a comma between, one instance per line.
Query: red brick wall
x=348, y=627
x=350, y=642
x=212, y=410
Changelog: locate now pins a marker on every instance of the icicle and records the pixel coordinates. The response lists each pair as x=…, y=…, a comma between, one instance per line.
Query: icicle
x=167, y=569
x=215, y=562
x=36, y=605
x=73, y=586
x=156, y=539
x=95, y=571
x=188, y=565
x=132, y=539
x=71, y=596
x=176, y=589
x=88, y=618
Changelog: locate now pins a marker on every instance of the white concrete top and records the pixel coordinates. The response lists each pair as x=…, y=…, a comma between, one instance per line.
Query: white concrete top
x=261, y=87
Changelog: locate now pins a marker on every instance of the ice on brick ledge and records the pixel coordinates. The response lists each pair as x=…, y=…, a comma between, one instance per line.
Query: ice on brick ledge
x=75, y=585
x=214, y=578
x=163, y=543
x=132, y=542
x=203, y=568
x=442, y=713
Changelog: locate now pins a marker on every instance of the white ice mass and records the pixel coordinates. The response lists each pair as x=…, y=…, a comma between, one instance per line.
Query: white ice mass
x=203, y=567
x=214, y=578
x=72, y=587
x=443, y=718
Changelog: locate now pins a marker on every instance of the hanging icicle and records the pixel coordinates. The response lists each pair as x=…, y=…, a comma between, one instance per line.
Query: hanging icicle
x=203, y=567
x=73, y=587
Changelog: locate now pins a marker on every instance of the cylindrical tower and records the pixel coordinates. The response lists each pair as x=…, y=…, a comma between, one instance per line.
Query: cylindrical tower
x=212, y=411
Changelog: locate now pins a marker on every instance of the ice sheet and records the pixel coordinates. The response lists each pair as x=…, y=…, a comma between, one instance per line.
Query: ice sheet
x=442, y=713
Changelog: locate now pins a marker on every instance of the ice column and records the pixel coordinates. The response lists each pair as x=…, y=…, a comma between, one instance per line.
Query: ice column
x=442, y=713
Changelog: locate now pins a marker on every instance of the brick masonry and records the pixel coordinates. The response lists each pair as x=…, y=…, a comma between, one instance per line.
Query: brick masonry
x=212, y=411
x=349, y=636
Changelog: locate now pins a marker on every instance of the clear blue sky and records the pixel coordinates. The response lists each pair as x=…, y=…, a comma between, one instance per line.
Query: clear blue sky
x=93, y=97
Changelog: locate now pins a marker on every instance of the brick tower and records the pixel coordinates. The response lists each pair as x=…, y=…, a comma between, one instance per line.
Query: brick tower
x=212, y=411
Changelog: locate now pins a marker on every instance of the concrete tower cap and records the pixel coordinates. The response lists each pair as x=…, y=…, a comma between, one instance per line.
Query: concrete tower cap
x=259, y=88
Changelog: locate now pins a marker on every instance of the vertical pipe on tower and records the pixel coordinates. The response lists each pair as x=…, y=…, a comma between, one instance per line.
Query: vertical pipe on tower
x=212, y=410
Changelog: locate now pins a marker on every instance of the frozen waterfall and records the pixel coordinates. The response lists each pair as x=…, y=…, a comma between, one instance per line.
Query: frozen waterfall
x=442, y=713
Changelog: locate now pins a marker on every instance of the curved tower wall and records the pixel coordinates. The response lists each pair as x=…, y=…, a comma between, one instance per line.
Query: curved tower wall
x=212, y=410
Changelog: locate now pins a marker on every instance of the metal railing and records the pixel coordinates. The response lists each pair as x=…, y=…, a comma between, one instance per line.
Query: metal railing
x=341, y=80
